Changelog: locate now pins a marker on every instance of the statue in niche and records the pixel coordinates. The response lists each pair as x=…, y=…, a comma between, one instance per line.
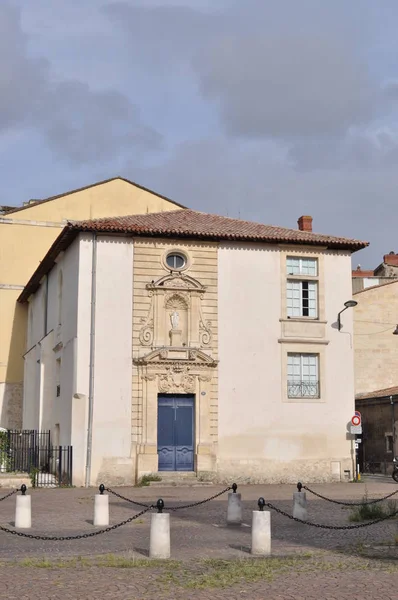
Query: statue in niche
x=175, y=319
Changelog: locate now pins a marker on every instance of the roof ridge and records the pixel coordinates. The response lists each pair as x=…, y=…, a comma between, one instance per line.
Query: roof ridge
x=91, y=185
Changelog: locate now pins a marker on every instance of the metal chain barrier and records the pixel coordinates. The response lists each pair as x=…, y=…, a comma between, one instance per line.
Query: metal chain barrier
x=349, y=503
x=75, y=537
x=8, y=495
x=127, y=499
x=173, y=508
x=335, y=527
x=227, y=489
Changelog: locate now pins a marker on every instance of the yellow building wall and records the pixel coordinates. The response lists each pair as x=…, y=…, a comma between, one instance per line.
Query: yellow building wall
x=113, y=198
x=25, y=237
x=22, y=247
x=376, y=349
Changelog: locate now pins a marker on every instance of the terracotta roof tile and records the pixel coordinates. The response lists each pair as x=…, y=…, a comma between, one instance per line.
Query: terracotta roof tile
x=191, y=223
x=386, y=392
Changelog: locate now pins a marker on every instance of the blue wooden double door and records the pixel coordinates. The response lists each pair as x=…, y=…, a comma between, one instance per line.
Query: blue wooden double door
x=176, y=424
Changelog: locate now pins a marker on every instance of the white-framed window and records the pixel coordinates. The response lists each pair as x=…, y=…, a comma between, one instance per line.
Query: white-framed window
x=302, y=294
x=301, y=266
x=303, y=375
x=302, y=298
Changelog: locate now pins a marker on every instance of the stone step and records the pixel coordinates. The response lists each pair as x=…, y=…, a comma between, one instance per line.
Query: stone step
x=183, y=479
x=14, y=480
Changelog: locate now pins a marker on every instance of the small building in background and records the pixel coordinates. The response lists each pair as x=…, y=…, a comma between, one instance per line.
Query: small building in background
x=379, y=410
x=384, y=273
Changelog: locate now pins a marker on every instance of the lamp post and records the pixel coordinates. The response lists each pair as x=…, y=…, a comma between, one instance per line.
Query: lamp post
x=395, y=332
x=348, y=304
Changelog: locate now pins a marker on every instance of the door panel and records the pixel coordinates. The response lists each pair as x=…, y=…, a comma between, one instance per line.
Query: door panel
x=176, y=433
x=184, y=437
x=166, y=437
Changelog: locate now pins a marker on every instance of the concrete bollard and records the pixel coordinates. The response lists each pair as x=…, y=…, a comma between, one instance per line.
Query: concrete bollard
x=234, y=509
x=101, y=508
x=23, y=510
x=300, y=506
x=159, y=538
x=261, y=531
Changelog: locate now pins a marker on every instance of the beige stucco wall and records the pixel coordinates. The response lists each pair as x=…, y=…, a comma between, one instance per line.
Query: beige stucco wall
x=111, y=451
x=69, y=342
x=263, y=435
x=376, y=349
x=25, y=237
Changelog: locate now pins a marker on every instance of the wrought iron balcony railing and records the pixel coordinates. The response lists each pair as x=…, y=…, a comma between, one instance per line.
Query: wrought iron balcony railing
x=303, y=389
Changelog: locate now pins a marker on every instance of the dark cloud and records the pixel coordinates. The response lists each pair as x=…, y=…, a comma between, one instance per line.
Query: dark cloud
x=79, y=123
x=288, y=86
x=250, y=182
x=22, y=79
x=373, y=149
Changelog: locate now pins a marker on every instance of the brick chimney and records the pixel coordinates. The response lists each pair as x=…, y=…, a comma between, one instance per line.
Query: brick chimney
x=305, y=223
x=391, y=259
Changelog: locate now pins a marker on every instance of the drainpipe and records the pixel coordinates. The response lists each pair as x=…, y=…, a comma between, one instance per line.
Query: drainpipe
x=46, y=309
x=92, y=359
x=392, y=425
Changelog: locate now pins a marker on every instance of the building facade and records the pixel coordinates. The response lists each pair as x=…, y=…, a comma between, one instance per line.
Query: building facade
x=379, y=411
x=26, y=233
x=189, y=342
x=376, y=349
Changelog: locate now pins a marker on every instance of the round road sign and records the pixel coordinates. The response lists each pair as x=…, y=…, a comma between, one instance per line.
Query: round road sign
x=356, y=420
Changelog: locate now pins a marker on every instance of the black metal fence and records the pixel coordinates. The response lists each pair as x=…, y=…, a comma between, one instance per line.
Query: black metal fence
x=377, y=468
x=31, y=451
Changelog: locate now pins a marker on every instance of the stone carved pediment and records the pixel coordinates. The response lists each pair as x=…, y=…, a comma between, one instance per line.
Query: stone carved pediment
x=178, y=357
x=176, y=281
x=175, y=313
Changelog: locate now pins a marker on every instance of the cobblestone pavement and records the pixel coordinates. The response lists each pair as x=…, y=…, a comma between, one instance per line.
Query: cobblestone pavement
x=196, y=534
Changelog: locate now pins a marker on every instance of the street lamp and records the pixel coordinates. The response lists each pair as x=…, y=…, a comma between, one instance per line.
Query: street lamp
x=348, y=304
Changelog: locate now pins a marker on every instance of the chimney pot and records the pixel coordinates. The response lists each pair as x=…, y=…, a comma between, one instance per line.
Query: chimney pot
x=391, y=259
x=305, y=223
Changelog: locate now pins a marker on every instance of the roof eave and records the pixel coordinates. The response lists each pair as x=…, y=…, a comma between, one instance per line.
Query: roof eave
x=353, y=246
x=61, y=243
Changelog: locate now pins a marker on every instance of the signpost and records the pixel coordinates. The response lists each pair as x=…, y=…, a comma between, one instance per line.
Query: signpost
x=356, y=423
x=356, y=429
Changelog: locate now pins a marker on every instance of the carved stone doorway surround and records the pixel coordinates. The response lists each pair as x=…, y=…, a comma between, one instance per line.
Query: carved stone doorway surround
x=175, y=371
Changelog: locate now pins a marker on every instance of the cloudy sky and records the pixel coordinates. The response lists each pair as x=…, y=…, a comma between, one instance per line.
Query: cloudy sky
x=259, y=109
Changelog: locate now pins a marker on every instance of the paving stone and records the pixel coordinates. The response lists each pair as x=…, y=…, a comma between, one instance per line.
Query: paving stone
x=197, y=533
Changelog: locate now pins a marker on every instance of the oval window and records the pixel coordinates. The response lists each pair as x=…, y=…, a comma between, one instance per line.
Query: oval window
x=175, y=261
